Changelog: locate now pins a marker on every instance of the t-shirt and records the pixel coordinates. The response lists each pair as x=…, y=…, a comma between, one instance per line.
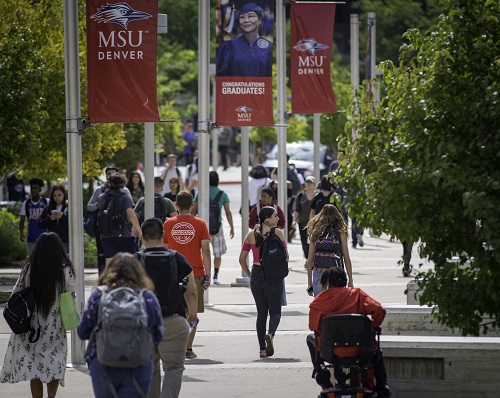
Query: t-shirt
x=255, y=186
x=35, y=210
x=170, y=174
x=184, y=233
x=123, y=202
x=212, y=194
x=321, y=200
x=303, y=207
x=183, y=270
x=169, y=206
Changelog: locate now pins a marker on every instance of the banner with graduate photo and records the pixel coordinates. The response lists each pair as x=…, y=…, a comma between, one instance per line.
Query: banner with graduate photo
x=311, y=41
x=121, y=61
x=244, y=90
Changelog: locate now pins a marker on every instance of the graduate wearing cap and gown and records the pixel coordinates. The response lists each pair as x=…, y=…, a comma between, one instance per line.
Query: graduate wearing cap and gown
x=248, y=54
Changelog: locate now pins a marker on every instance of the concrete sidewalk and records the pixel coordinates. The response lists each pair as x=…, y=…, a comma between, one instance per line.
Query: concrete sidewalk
x=228, y=364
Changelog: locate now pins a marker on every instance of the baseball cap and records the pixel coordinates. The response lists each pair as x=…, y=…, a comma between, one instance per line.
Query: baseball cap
x=311, y=178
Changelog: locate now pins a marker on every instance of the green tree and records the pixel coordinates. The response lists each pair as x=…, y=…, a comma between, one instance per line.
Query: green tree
x=424, y=164
x=32, y=94
x=393, y=19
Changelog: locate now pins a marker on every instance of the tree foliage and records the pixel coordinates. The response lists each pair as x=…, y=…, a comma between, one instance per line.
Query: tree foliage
x=425, y=162
x=393, y=18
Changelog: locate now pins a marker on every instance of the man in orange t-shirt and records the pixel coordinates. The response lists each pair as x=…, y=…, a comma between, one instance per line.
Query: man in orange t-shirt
x=189, y=236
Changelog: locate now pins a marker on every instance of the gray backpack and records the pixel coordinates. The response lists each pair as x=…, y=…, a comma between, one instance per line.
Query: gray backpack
x=123, y=339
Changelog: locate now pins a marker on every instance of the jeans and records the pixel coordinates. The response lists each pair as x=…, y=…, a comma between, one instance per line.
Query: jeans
x=172, y=350
x=304, y=239
x=316, y=283
x=121, y=378
x=268, y=299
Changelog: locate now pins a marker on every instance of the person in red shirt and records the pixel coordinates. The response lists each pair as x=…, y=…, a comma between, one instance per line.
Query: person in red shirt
x=266, y=199
x=337, y=298
x=189, y=236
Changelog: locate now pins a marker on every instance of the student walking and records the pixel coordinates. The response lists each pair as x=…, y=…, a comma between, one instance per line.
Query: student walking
x=217, y=239
x=302, y=212
x=328, y=247
x=32, y=209
x=55, y=215
x=189, y=235
x=173, y=287
x=267, y=295
x=124, y=271
x=50, y=272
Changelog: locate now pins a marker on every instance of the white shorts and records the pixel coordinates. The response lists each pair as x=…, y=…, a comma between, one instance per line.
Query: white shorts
x=219, y=243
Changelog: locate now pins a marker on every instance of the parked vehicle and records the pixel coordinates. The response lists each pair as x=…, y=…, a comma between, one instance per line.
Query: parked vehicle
x=302, y=156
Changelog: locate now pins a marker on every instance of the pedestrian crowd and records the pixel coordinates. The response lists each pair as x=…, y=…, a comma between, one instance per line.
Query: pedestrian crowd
x=154, y=273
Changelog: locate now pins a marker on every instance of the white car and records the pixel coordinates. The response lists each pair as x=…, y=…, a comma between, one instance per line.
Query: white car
x=302, y=156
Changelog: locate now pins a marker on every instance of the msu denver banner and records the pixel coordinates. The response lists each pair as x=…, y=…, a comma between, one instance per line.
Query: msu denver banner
x=121, y=57
x=311, y=37
x=244, y=34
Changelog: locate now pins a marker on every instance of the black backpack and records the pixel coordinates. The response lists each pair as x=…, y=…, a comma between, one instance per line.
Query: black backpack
x=19, y=311
x=110, y=218
x=161, y=267
x=214, y=221
x=160, y=209
x=273, y=258
x=291, y=175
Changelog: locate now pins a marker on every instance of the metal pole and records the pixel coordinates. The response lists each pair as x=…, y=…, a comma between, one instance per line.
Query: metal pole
x=245, y=151
x=317, y=144
x=74, y=153
x=355, y=62
x=281, y=96
x=215, y=131
x=372, y=20
x=149, y=149
x=203, y=110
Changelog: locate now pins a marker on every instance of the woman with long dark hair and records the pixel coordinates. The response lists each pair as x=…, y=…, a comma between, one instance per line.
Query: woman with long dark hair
x=328, y=247
x=267, y=296
x=124, y=270
x=54, y=217
x=135, y=186
x=49, y=272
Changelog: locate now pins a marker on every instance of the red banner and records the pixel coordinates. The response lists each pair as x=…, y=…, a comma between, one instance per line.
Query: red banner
x=311, y=37
x=244, y=90
x=121, y=61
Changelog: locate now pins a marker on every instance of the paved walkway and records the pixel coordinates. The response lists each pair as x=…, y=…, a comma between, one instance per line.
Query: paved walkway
x=226, y=344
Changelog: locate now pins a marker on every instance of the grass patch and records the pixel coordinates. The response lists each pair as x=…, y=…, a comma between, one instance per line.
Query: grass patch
x=4, y=297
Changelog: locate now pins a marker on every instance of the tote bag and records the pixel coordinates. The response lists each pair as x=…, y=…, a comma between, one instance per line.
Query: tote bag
x=69, y=314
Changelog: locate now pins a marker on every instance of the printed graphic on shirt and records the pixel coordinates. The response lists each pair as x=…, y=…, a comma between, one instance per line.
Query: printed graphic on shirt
x=183, y=232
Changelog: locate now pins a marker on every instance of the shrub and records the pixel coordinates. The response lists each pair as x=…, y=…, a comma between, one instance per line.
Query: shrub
x=11, y=248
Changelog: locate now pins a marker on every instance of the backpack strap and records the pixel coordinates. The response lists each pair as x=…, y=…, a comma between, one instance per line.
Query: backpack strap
x=218, y=196
x=163, y=202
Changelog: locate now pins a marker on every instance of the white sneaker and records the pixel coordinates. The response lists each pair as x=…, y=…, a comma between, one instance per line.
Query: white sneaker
x=216, y=281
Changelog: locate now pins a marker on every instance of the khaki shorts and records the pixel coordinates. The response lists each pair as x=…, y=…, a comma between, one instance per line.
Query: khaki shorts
x=201, y=293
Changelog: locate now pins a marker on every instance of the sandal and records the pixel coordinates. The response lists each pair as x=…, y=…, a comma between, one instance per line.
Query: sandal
x=262, y=353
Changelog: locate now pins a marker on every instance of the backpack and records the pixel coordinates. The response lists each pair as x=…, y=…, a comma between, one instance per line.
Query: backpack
x=90, y=222
x=19, y=311
x=273, y=258
x=161, y=267
x=328, y=249
x=110, y=218
x=291, y=175
x=214, y=221
x=123, y=339
x=160, y=209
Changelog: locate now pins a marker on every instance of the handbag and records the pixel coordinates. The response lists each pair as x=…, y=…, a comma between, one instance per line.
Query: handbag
x=69, y=314
x=90, y=222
